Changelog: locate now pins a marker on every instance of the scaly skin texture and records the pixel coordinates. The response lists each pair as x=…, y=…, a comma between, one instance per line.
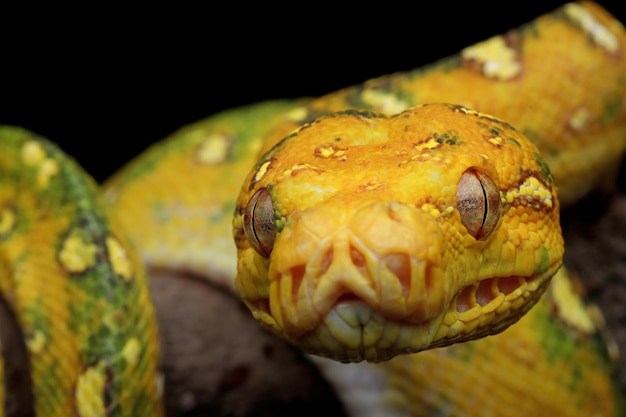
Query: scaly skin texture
x=176, y=203
x=79, y=292
x=562, y=101
x=552, y=362
x=387, y=233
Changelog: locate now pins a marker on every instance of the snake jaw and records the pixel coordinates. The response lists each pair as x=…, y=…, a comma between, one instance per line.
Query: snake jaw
x=353, y=330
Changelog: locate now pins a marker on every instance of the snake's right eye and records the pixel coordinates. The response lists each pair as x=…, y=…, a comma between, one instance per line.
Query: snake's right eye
x=258, y=222
x=478, y=202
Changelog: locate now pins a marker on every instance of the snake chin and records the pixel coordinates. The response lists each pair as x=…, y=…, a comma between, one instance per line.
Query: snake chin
x=354, y=331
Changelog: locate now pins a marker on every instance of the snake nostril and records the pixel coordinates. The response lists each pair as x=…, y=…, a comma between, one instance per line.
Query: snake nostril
x=400, y=265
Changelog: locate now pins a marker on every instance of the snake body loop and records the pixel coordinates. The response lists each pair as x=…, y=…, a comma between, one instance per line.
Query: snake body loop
x=78, y=291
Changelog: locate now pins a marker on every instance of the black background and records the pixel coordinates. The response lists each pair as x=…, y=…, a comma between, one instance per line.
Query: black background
x=105, y=83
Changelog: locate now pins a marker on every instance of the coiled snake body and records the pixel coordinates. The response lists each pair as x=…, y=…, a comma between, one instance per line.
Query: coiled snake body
x=376, y=229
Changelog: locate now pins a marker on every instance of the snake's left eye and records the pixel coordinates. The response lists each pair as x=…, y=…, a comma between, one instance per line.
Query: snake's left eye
x=478, y=202
x=258, y=222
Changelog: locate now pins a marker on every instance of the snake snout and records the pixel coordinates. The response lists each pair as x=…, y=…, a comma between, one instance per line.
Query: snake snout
x=384, y=254
x=374, y=269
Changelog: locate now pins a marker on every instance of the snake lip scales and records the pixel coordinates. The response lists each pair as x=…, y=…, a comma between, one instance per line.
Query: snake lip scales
x=348, y=323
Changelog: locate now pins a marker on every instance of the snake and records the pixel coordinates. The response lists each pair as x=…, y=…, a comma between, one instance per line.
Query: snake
x=385, y=229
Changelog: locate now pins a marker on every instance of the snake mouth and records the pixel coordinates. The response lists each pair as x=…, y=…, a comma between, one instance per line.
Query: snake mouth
x=477, y=295
x=353, y=330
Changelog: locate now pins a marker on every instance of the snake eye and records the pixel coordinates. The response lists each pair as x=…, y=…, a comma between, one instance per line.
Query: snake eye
x=258, y=222
x=478, y=201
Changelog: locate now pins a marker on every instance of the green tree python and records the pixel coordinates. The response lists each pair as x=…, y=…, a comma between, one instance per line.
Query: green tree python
x=370, y=224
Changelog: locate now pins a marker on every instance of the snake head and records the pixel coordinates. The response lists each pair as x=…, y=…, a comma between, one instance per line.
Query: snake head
x=361, y=236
